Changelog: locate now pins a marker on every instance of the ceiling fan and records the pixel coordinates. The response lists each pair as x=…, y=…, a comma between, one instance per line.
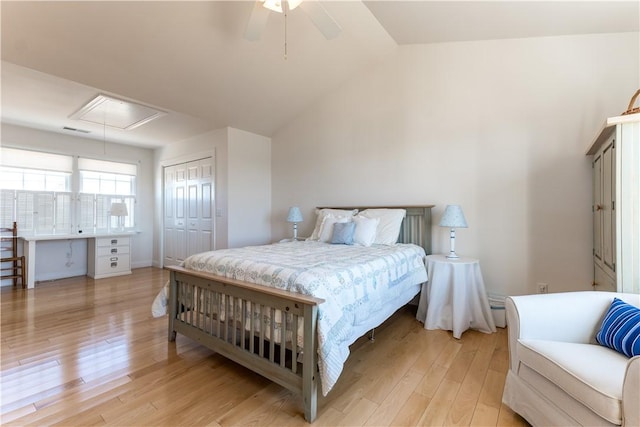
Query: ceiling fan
x=316, y=12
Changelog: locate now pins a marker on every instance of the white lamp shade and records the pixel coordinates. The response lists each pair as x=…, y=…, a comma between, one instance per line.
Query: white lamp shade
x=453, y=217
x=119, y=209
x=294, y=214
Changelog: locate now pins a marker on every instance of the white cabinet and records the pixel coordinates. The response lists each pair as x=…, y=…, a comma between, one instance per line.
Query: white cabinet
x=616, y=204
x=108, y=256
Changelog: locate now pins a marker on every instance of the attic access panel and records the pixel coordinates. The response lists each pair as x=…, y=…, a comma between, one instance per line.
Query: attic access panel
x=116, y=113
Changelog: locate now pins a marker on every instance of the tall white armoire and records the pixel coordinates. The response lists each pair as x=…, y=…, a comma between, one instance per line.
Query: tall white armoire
x=616, y=204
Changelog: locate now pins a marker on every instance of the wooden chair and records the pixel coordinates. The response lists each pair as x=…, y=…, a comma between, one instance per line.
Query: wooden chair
x=12, y=265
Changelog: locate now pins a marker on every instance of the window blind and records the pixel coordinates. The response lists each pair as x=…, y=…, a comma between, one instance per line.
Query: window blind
x=26, y=159
x=95, y=165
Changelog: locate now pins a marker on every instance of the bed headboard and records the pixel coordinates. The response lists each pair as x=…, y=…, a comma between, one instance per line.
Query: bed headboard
x=416, y=226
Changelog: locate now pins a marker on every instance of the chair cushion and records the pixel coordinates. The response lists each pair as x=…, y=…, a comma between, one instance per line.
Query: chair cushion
x=591, y=374
x=620, y=328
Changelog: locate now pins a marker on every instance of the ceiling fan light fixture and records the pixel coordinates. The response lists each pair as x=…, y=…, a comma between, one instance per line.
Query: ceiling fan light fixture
x=275, y=5
x=294, y=3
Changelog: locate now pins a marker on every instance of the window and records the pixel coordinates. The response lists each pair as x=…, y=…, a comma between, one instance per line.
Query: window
x=33, y=179
x=103, y=183
x=33, y=170
x=36, y=190
x=102, y=177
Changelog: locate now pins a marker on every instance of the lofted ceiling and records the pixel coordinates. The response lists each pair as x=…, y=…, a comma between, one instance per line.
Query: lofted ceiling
x=190, y=59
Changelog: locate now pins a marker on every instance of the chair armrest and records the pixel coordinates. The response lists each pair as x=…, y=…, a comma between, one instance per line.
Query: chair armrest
x=631, y=393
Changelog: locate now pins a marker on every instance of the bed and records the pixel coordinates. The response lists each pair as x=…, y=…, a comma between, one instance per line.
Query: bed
x=289, y=311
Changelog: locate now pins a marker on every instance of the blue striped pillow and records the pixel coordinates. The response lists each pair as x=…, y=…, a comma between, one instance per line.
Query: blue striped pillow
x=620, y=328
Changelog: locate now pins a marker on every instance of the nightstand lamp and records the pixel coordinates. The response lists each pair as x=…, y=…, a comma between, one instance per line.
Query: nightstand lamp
x=453, y=218
x=295, y=216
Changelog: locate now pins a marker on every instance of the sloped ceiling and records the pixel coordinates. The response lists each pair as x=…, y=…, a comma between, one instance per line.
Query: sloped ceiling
x=190, y=58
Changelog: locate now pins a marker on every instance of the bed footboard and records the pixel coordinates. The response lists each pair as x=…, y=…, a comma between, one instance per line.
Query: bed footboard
x=270, y=331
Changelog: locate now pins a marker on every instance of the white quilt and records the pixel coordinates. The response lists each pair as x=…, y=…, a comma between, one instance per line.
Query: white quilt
x=357, y=283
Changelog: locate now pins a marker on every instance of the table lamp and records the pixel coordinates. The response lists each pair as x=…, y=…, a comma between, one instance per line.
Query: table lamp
x=453, y=218
x=295, y=216
x=119, y=209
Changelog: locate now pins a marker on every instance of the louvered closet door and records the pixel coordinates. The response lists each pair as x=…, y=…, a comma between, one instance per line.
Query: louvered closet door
x=188, y=208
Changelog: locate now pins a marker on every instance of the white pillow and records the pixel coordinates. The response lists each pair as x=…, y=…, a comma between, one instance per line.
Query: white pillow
x=390, y=223
x=326, y=231
x=365, y=232
x=322, y=213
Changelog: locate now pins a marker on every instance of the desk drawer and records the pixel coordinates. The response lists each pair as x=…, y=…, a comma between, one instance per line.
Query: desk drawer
x=113, y=264
x=112, y=250
x=112, y=241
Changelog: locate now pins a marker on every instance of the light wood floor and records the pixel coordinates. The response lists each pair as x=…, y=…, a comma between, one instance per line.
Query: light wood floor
x=80, y=352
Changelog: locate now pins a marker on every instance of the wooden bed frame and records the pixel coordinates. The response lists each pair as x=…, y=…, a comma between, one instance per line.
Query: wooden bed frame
x=196, y=299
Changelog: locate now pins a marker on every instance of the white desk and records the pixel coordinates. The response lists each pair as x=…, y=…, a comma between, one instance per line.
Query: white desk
x=29, y=244
x=454, y=298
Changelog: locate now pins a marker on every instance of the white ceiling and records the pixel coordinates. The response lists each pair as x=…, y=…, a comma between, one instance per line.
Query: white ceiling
x=190, y=58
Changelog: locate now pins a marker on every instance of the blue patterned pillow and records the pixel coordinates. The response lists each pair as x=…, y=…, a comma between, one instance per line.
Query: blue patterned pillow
x=343, y=233
x=620, y=328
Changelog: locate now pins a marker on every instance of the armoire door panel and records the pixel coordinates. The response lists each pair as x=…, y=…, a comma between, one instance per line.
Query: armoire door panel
x=608, y=224
x=597, y=208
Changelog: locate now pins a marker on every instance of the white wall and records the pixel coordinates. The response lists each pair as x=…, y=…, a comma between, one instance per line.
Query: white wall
x=499, y=127
x=249, y=189
x=61, y=258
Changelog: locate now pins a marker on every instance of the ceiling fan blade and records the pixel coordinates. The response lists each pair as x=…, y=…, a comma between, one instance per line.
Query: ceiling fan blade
x=321, y=18
x=257, y=22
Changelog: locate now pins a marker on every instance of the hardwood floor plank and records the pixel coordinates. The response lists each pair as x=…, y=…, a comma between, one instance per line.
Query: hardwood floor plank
x=359, y=413
x=440, y=404
x=389, y=408
x=438, y=370
x=80, y=352
x=411, y=412
x=485, y=415
x=491, y=393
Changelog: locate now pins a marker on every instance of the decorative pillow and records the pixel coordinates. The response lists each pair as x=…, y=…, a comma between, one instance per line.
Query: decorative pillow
x=343, y=233
x=365, y=231
x=326, y=231
x=390, y=222
x=322, y=213
x=620, y=328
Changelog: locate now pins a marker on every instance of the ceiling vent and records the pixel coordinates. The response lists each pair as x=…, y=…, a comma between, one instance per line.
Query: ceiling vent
x=116, y=113
x=70, y=129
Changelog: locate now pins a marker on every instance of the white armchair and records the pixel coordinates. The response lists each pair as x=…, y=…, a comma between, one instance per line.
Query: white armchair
x=558, y=374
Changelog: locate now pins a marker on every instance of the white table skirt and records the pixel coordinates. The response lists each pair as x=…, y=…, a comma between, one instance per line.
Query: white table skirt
x=454, y=298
